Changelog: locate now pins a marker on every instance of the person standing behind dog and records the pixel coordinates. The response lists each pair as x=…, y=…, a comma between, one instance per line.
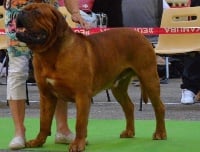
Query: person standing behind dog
x=191, y=74
x=113, y=9
x=19, y=55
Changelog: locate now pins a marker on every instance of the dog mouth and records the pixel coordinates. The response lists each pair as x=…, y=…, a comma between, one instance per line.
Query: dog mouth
x=26, y=33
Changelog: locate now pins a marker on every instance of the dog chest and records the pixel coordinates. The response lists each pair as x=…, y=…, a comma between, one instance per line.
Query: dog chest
x=59, y=89
x=50, y=81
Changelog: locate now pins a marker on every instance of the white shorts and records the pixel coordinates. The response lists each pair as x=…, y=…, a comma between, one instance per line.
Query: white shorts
x=17, y=75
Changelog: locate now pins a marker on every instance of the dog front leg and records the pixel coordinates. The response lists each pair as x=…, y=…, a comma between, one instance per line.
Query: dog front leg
x=83, y=103
x=47, y=109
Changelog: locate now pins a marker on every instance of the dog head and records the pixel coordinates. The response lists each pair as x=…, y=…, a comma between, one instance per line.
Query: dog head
x=40, y=25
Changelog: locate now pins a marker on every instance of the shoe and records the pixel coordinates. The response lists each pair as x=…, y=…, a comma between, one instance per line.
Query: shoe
x=64, y=139
x=187, y=97
x=17, y=143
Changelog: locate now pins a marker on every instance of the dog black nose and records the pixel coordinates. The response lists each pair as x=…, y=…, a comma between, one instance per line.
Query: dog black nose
x=18, y=20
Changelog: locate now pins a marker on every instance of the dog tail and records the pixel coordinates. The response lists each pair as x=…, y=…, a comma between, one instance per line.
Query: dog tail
x=144, y=95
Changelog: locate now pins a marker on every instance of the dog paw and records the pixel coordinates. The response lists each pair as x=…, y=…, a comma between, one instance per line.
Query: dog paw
x=77, y=146
x=127, y=134
x=34, y=143
x=159, y=136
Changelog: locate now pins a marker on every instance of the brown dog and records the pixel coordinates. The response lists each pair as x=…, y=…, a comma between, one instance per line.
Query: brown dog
x=70, y=66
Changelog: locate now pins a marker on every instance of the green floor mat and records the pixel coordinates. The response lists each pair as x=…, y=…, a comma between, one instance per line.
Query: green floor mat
x=103, y=136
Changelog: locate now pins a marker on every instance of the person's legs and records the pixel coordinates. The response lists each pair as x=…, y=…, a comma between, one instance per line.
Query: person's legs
x=16, y=96
x=191, y=78
x=17, y=108
x=16, y=87
x=64, y=134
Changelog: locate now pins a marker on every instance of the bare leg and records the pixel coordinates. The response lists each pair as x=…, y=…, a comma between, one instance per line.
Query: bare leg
x=61, y=117
x=17, y=108
x=64, y=134
x=18, y=113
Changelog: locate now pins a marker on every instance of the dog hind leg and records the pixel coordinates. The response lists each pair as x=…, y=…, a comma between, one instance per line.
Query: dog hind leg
x=151, y=84
x=120, y=93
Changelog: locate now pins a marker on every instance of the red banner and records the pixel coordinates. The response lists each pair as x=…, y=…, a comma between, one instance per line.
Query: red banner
x=143, y=30
x=146, y=30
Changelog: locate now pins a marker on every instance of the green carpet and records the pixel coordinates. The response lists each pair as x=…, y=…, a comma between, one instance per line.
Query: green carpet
x=103, y=136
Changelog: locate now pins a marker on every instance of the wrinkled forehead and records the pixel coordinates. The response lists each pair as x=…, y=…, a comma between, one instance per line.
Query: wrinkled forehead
x=40, y=10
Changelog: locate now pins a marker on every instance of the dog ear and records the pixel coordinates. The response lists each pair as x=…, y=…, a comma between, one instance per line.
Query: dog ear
x=61, y=24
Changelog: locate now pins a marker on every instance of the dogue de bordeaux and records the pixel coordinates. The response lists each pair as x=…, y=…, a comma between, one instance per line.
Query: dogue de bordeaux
x=74, y=67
